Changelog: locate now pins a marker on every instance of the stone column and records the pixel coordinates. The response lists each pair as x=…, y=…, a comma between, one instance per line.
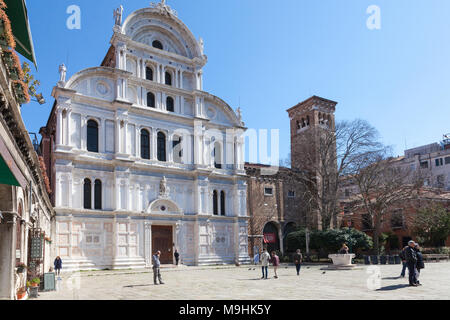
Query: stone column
x=117, y=140
x=59, y=126
x=102, y=136
x=169, y=146
x=8, y=254
x=181, y=79
x=153, y=144
x=148, y=244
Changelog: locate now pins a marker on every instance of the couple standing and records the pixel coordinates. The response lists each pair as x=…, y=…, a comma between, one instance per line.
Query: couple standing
x=265, y=260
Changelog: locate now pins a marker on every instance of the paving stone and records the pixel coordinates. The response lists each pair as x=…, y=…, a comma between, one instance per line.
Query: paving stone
x=231, y=283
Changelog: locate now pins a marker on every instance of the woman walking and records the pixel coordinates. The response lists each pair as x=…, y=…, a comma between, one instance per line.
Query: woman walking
x=298, y=258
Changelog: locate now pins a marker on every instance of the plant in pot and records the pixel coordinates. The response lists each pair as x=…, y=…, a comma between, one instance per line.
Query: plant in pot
x=6, y=35
x=21, y=91
x=21, y=293
x=21, y=267
x=35, y=282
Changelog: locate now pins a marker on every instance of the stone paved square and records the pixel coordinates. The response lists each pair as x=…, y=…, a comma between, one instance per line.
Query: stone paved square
x=240, y=283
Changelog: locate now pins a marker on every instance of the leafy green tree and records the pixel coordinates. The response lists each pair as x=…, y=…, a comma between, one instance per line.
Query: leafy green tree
x=432, y=224
x=329, y=240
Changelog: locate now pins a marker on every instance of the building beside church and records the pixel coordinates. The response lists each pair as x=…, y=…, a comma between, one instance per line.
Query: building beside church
x=141, y=159
x=26, y=213
x=277, y=197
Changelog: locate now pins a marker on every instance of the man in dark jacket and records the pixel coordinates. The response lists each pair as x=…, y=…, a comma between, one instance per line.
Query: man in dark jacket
x=404, y=265
x=411, y=261
x=177, y=256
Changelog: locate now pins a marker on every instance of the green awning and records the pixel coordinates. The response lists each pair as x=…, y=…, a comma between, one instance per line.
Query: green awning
x=17, y=13
x=6, y=176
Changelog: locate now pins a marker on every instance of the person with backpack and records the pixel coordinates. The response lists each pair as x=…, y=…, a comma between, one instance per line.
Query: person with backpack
x=403, y=257
x=420, y=264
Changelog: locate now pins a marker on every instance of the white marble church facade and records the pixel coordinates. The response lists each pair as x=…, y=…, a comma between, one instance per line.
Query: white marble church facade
x=144, y=159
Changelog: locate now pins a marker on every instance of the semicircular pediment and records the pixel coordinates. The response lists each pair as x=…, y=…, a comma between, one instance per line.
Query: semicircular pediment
x=170, y=42
x=163, y=206
x=148, y=23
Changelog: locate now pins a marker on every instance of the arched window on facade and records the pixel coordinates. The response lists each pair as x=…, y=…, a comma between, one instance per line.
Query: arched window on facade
x=92, y=136
x=215, y=203
x=217, y=155
x=157, y=44
x=161, y=146
x=87, y=194
x=149, y=73
x=98, y=195
x=168, y=78
x=222, y=202
x=170, y=105
x=145, y=144
x=150, y=100
x=177, y=150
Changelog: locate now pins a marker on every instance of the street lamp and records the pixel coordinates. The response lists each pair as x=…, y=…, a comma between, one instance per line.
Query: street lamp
x=39, y=99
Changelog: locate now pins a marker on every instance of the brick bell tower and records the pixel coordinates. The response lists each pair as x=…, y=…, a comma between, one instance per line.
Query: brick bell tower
x=306, y=118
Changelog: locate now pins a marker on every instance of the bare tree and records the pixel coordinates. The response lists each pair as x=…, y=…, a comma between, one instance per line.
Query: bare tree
x=328, y=153
x=382, y=183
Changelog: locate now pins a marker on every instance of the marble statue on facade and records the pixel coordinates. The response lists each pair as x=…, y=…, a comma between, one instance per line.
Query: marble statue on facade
x=118, y=16
x=62, y=75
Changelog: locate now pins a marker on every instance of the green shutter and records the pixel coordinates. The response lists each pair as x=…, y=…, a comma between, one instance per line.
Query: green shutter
x=17, y=13
x=6, y=176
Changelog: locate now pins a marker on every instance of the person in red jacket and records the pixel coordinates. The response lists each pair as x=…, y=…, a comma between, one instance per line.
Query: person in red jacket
x=275, y=262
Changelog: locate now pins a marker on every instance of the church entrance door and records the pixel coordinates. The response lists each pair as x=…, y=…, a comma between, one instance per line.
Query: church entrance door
x=162, y=241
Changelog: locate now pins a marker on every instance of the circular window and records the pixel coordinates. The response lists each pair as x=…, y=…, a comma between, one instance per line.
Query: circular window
x=163, y=208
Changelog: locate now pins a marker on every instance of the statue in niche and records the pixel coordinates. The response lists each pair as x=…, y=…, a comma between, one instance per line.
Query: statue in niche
x=163, y=188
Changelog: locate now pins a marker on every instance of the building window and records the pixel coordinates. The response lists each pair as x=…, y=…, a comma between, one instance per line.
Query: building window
x=440, y=181
x=149, y=73
x=87, y=194
x=268, y=191
x=397, y=219
x=347, y=192
x=222, y=203
x=150, y=100
x=157, y=44
x=439, y=162
x=177, y=151
x=215, y=203
x=447, y=160
x=145, y=144
x=92, y=136
x=168, y=79
x=98, y=195
x=217, y=156
x=291, y=194
x=161, y=146
x=424, y=164
x=170, y=105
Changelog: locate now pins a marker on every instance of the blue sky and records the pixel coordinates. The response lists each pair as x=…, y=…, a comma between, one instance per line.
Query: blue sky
x=267, y=56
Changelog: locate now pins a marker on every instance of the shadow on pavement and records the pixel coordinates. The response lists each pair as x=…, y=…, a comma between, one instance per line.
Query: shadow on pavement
x=393, y=287
x=138, y=285
x=391, y=278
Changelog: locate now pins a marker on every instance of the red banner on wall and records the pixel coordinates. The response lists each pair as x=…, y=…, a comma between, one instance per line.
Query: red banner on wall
x=270, y=238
